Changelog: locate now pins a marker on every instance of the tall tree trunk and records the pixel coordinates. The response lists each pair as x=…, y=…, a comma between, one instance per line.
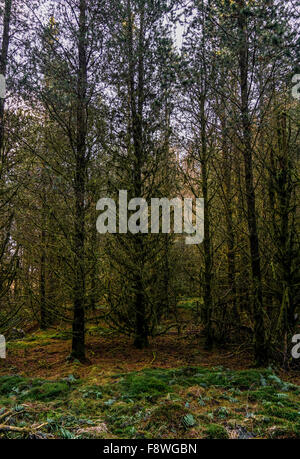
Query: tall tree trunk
x=285, y=187
x=261, y=354
x=3, y=67
x=78, y=336
x=136, y=95
x=284, y=231
x=208, y=300
x=93, y=276
x=43, y=306
x=228, y=197
x=204, y=162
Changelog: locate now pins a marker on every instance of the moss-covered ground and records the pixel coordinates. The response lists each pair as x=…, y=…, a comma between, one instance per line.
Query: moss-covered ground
x=186, y=402
x=173, y=389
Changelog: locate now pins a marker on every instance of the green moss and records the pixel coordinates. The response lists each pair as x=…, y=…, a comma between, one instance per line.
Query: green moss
x=281, y=412
x=167, y=411
x=152, y=382
x=170, y=415
x=282, y=432
x=20, y=344
x=215, y=431
x=264, y=393
x=46, y=391
x=271, y=394
x=140, y=385
x=136, y=405
x=33, y=389
x=5, y=402
x=242, y=380
x=202, y=377
x=123, y=419
x=248, y=379
x=189, y=303
x=63, y=335
x=122, y=409
x=12, y=384
x=126, y=431
x=85, y=406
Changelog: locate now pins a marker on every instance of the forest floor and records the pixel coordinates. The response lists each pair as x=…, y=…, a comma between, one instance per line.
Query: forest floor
x=173, y=389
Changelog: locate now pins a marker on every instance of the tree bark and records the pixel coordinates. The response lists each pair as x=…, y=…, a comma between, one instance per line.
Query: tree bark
x=261, y=354
x=3, y=64
x=78, y=335
x=136, y=95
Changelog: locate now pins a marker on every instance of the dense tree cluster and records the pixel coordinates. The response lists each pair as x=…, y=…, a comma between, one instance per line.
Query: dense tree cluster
x=102, y=97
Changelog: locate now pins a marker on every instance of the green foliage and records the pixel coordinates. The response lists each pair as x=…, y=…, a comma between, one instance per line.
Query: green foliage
x=92, y=392
x=12, y=384
x=66, y=434
x=216, y=431
x=222, y=412
x=188, y=421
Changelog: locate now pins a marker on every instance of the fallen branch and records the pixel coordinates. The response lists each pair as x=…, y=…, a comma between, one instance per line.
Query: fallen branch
x=4, y=415
x=6, y=428
x=26, y=430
